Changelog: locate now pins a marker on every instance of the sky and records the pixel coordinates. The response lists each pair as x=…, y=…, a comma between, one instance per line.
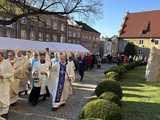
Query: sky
x=115, y=10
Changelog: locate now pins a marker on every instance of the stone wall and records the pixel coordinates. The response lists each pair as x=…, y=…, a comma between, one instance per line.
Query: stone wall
x=153, y=66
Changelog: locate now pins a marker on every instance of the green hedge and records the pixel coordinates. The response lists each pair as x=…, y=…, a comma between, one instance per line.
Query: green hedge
x=101, y=109
x=110, y=96
x=112, y=76
x=109, y=86
x=121, y=69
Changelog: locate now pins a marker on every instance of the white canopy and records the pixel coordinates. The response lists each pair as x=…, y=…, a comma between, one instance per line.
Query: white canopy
x=12, y=43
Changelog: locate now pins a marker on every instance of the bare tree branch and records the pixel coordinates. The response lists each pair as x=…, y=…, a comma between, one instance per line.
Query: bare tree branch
x=42, y=4
x=55, y=3
x=17, y=9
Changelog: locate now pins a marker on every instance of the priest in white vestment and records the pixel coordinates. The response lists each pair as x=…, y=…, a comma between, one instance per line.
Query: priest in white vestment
x=59, y=83
x=6, y=76
x=22, y=64
x=14, y=86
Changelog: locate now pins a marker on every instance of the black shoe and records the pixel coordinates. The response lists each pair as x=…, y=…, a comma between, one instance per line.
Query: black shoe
x=63, y=104
x=26, y=93
x=14, y=104
x=44, y=98
x=34, y=103
x=54, y=109
x=5, y=116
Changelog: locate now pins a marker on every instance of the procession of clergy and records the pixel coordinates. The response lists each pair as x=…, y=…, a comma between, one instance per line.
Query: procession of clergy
x=43, y=72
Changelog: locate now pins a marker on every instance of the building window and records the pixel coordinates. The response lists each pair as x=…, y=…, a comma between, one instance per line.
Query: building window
x=62, y=27
x=54, y=38
x=70, y=33
x=48, y=22
x=156, y=42
x=32, y=36
x=141, y=42
x=62, y=38
x=40, y=36
x=8, y=33
x=55, y=25
x=23, y=34
x=78, y=34
x=94, y=38
x=47, y=37
x=74, y=34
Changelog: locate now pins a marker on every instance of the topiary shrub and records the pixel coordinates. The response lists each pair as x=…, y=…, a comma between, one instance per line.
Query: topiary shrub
x=110, y=96
x=109, y=86
x=93, y=98
x=112, y=76
x=112, y=69
x=102, y=109
x=122, y=69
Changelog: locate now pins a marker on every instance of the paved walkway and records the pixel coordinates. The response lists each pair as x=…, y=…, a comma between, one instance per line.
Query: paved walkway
x=81, y=92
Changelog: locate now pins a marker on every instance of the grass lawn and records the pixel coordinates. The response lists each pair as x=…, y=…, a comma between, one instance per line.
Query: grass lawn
x=141, y=99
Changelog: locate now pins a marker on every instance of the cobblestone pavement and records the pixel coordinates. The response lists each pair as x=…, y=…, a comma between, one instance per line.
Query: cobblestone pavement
x=81, y=92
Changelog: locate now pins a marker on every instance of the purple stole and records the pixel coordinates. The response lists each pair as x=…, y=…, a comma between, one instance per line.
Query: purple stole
x=61, y=81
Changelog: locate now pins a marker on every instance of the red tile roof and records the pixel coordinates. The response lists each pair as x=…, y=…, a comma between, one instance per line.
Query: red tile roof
x=141, y=25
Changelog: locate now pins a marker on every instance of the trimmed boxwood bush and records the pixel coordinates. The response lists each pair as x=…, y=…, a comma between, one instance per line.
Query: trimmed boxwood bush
x=109, y=86
x=93, y=98
x=110, y=96
x=112, y=69
x=102, y=109
x=112, y=76
x=120, y=69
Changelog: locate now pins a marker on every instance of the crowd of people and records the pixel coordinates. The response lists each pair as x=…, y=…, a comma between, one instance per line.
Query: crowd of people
x=39, y=75
x=128, y=59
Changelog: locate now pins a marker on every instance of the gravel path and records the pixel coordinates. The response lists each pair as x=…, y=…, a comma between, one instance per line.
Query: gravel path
x=81, y=92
